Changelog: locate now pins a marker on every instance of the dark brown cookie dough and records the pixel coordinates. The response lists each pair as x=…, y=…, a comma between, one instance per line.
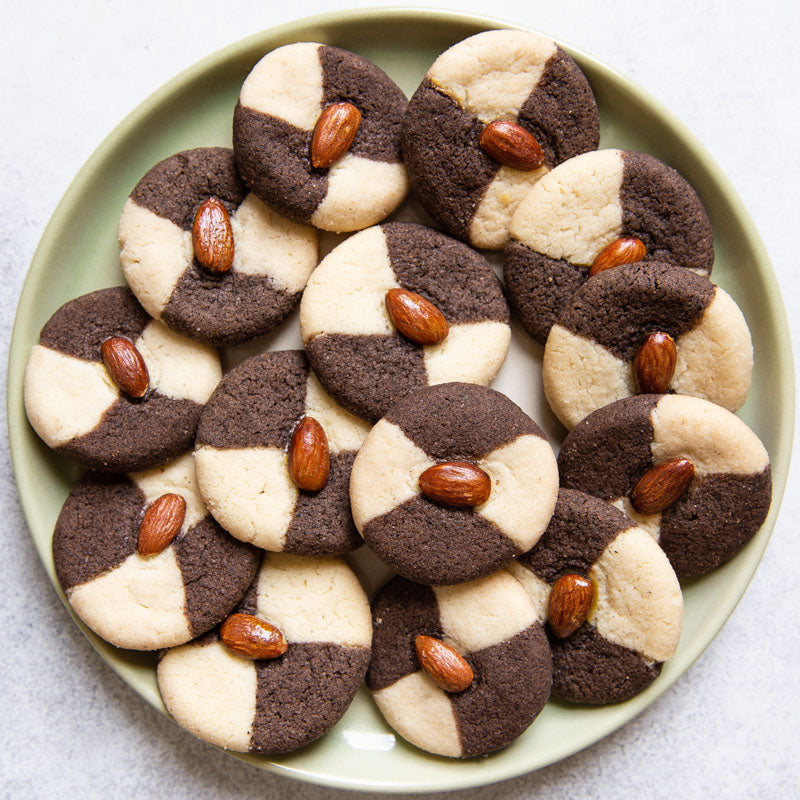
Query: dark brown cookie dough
x=241, y=455
x=199, y=578
x=438, y=544
x=272, y=141
x=355, y=349
x=272, y=257
x=652, y=202
x=728, y=499
x=635, y=621
x=510, y=661
x=73, y=404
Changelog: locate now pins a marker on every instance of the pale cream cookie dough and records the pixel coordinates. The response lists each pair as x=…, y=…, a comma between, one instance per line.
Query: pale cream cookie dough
x=242, y=461
x=273, y=256
x=583, y=206
x=492, y=624
x=78, y=410
x=279, y=105
x=517, y=76
x=637, y=613
x=728, y=498
x=361, y=358
x=277, y=705
x=589, y=354
x=146, y=602
x=439, y=544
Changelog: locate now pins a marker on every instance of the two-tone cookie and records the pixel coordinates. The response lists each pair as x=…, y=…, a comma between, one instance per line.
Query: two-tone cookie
x=243, y=455
x=492, y=626
x=124, y=576
x=453, y=483
x=137, y=409
x=634, y=454
x=277, y=704
x=500, y=76
x=353, y=341
x=611, y=599
x=577, y=215
x=303, y=88
x=219, y=275
x=647, y=327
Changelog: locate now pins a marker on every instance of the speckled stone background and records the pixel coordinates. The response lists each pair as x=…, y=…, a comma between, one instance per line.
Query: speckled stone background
x=70, y=728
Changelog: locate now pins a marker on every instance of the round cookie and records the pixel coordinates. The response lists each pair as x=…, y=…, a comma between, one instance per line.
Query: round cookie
x=728, y=499
x=279, y=105
x=277, y=705
x=439, y=544
x=242, y=463
x=147, y=602
x=273, y=257
x=589, y=354
x=495, y=75
x=582, y=206
x=636, y=618
x=491, y=622
x=77, y=409
x=354, y=347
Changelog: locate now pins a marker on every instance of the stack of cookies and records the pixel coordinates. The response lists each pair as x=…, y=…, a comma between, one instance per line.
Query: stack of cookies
x=214, y=518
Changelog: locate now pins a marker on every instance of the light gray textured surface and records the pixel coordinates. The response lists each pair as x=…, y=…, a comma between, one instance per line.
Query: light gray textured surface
x=71, y=71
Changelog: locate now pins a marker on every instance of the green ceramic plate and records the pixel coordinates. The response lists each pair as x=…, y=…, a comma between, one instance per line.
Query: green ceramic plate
x=78, y=253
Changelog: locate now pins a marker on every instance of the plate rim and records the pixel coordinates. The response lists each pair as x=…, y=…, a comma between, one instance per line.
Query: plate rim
x=343, y=19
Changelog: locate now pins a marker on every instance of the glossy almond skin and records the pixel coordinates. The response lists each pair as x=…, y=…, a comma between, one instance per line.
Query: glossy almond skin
x=570, y=601
x=626, y=250
x=662, y=485
x=252, y=637
x=512, y=145
x=212, y=236
x=126, y=366
x=447, y=668
x=654, y=363
x=415, y=317
x=456, y=483
x=334, y=134
x=161, y=524
x=309, y=455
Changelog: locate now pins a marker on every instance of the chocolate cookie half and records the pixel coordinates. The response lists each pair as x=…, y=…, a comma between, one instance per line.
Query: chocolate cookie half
x=500, y=75
x=277, y=705
x=280, y=104
x=164, y=598
x=243, y=463
x=73, y=403
x=583, y=206
x=355, y=347
x=492, y=625
x=724, y=505
x=591, y=352
x=271, y=260
x=636, y=614
x=434, y=541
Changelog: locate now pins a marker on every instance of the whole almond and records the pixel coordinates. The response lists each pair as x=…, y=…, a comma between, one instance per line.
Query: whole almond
x=626, y=250
x=309, y=456
x=447, y=668
x=334, y=133
x=212, y=236
x=456, y=483
x=662, y=485
x=654, y=363
x=125, y=365
x=252, y=637
x=512, y=145
x=415, y=317
x=570, y=602
x=161, y=523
